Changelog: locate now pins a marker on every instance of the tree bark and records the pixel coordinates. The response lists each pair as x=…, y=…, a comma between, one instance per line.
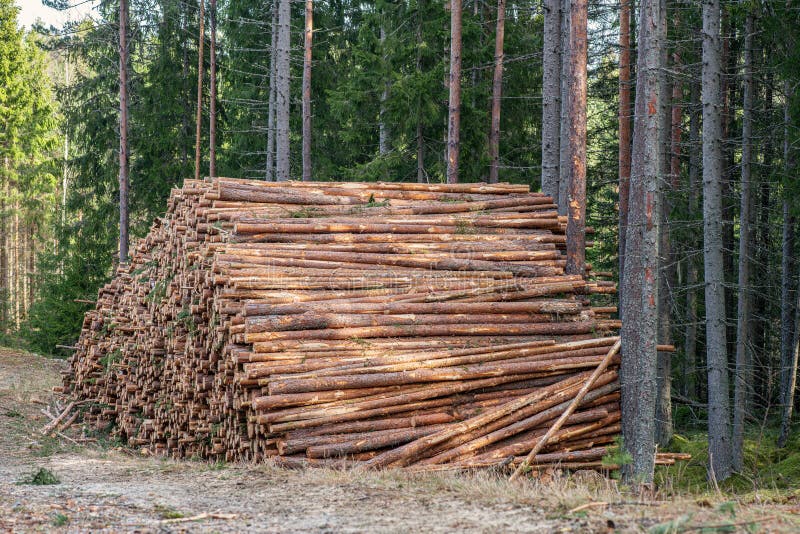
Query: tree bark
x=309, y=33
x=667, y=273
x=691, y=383
x=199, y=119
x=639, y=287
x=454, y=107
x=383, y=128
x=576, y=213
x=212, y=103
x=270, y=173
x=624, y=120
x=497, y=89
x=282, y=87
x=789, y=308
x=743, y=315
x=551, y=98
x=564, y=163
x=719, y=431
x=123, y=131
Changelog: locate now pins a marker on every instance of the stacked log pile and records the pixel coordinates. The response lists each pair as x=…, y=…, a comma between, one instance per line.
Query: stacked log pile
x=383, y=324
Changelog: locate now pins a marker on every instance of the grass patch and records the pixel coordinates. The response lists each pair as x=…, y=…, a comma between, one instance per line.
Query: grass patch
x=168, y=512
x=42, y=477
x=60, y=520
x=768, y=472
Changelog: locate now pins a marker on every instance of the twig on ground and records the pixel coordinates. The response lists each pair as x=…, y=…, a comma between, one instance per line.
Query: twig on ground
x=199, y=517
x=588, y=505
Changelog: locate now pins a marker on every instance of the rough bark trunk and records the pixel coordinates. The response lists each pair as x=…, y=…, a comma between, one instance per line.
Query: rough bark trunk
x=551, y=98
x=309, y=33
x=624, y=120
x=4, y=234
x=270, y=172
x=639, y=287
x=282, y=88
x=199, y=117
x=719, y=431
x=667, y=273
x=762, y=295
x=123, y=131
x=421, y=177
x=788, y=374
x=212, y=99
x=790, y=387
x=497, y=89
x=454, y=107
x=564, y=163
x=383, y=128
x=576, y=221
x=743, y=315
x=691, y=383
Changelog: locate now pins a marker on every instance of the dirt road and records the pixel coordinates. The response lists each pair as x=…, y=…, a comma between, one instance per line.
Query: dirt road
x=103, y=488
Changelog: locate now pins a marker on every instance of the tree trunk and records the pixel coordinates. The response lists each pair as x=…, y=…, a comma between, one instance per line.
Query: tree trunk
x=212, y=100
x=743, y=315
x=719, y=431
x=199, y=119
x=576, y=221
x=551, y=97
x=4, y=235
x=788, y=374
x=667, y=273
x=639, y=287
x=383, y=128
x=421, y=177
x=691, y=382
x=497, y=89
x=282, y=87
x=454, y=107
x=309, y=33
x=762, y=285
x=270, y=174
x=123, y=131
x=625, y=112
x=789, y=389
x=564, y=163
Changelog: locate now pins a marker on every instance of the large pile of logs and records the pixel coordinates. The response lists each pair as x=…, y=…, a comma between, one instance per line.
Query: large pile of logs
x=383, y=324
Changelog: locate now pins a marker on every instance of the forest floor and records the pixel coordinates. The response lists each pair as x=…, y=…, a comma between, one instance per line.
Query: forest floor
x=101, y=487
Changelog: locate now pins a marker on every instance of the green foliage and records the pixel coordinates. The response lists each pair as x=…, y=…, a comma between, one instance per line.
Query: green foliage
x=60, y=520
x=617, y=455
x=42, y=477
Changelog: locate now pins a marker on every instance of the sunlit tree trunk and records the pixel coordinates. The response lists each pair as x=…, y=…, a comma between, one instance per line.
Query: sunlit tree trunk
x=639, y=287
x=497, y=89
x=576, y=97
x=212, y=100
x=454, y=107
x=309, y=34
x=123, y=131
x=199, y=118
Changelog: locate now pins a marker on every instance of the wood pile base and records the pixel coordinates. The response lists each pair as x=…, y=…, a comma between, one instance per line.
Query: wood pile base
x=384, y=324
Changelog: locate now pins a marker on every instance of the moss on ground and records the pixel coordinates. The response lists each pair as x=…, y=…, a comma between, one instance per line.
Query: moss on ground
x=769, y=473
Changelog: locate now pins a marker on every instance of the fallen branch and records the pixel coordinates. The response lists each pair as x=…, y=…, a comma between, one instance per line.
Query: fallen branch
x=199, y=517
